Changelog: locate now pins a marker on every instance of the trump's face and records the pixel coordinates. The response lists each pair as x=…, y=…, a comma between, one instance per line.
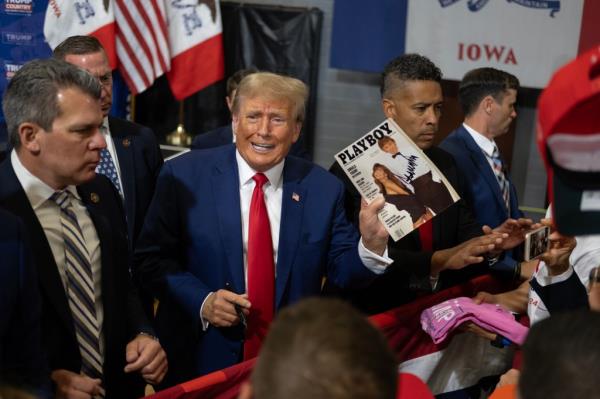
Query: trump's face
x=265, y=130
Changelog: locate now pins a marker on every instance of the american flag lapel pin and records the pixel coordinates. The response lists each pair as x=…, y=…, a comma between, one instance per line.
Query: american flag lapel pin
x=296, y=197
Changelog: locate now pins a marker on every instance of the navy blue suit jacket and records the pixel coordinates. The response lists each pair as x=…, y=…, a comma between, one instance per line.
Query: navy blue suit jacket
x=21, y=356
x=191, y=245
x=123, y=314
x=140, y=161
x=480, y=187
x=224, y=135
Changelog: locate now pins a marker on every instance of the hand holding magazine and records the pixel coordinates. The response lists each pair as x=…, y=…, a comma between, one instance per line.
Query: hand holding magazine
x=386, y=161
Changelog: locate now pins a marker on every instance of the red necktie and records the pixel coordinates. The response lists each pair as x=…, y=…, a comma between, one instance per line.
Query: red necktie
x=426, y=236
x=261, y=271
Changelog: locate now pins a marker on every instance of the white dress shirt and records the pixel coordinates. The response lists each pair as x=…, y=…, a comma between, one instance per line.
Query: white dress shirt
x=48, y=213
x=486, y=145
x=273, y=193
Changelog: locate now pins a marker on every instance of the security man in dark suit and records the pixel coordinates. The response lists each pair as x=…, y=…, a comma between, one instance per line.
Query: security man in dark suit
x=95, y=333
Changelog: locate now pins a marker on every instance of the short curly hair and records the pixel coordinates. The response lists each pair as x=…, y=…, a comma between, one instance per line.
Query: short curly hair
x=405, y=68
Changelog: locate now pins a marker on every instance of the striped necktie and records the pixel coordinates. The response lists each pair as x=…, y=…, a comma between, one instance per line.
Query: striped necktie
x=500, y=172
x=80, y=287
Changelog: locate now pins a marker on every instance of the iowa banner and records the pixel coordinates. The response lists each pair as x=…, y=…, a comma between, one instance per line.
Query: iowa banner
x=529, y=38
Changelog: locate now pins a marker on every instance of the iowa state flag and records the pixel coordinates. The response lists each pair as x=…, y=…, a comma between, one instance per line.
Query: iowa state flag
x=196, y=44
x=96, y=18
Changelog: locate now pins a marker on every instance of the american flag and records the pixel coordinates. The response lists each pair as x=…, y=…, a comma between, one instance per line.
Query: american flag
x=142, y=42
x=148, y=38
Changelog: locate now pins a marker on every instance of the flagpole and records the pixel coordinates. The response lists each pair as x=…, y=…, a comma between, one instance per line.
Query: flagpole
x=180, y=137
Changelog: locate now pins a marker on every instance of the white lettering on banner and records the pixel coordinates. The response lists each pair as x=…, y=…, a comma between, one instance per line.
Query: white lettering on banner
x=489, y=52
x=529, y=39
x=18, y=6
x=18, y=38
x=11, y=69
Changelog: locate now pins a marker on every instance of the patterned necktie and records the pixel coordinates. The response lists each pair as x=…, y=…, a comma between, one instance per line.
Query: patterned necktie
x=500, y=172
x=80, y=287
x=261, y=271
x=107, y=168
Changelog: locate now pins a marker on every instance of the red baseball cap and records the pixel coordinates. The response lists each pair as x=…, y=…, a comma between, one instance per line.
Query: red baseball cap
x=568, y=137
x=411, y=387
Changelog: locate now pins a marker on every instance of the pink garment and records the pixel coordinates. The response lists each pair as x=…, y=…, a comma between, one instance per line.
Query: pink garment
x=439, y=320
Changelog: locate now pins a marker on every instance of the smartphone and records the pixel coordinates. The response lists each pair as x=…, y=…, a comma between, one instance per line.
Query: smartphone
x=536, y=243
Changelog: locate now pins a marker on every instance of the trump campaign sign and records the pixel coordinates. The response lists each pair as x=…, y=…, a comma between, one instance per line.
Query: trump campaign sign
x=528, y=38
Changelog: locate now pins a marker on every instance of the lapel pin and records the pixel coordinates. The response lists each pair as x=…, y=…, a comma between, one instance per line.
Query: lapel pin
x=95, y=198
x=296, y=197
x=126, y=143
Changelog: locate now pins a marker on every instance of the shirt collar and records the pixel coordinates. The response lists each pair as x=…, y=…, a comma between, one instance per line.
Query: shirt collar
x=36, y=190
x=246, y=172
x=105, y=129
x=487, y=145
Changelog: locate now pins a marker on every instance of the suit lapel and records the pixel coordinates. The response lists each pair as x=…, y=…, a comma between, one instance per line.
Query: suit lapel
x=125, y=154
x=292, y=210
x=225, y=184
x=14, y=199
x=480, y=160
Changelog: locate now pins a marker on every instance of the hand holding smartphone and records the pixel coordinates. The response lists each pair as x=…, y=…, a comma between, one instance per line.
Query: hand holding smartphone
x=536, y=243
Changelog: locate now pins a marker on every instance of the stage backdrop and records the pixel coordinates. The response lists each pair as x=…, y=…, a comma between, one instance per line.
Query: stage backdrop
x=528, y=38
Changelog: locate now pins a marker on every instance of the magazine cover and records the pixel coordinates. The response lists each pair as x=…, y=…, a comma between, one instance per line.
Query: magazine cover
x=386, y=161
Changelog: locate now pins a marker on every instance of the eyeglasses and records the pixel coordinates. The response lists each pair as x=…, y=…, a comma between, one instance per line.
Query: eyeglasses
x=106, y=79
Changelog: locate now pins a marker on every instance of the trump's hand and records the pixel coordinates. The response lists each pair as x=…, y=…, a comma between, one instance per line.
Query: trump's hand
x=374, y=235
x=220, y=308
x=146, y=355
